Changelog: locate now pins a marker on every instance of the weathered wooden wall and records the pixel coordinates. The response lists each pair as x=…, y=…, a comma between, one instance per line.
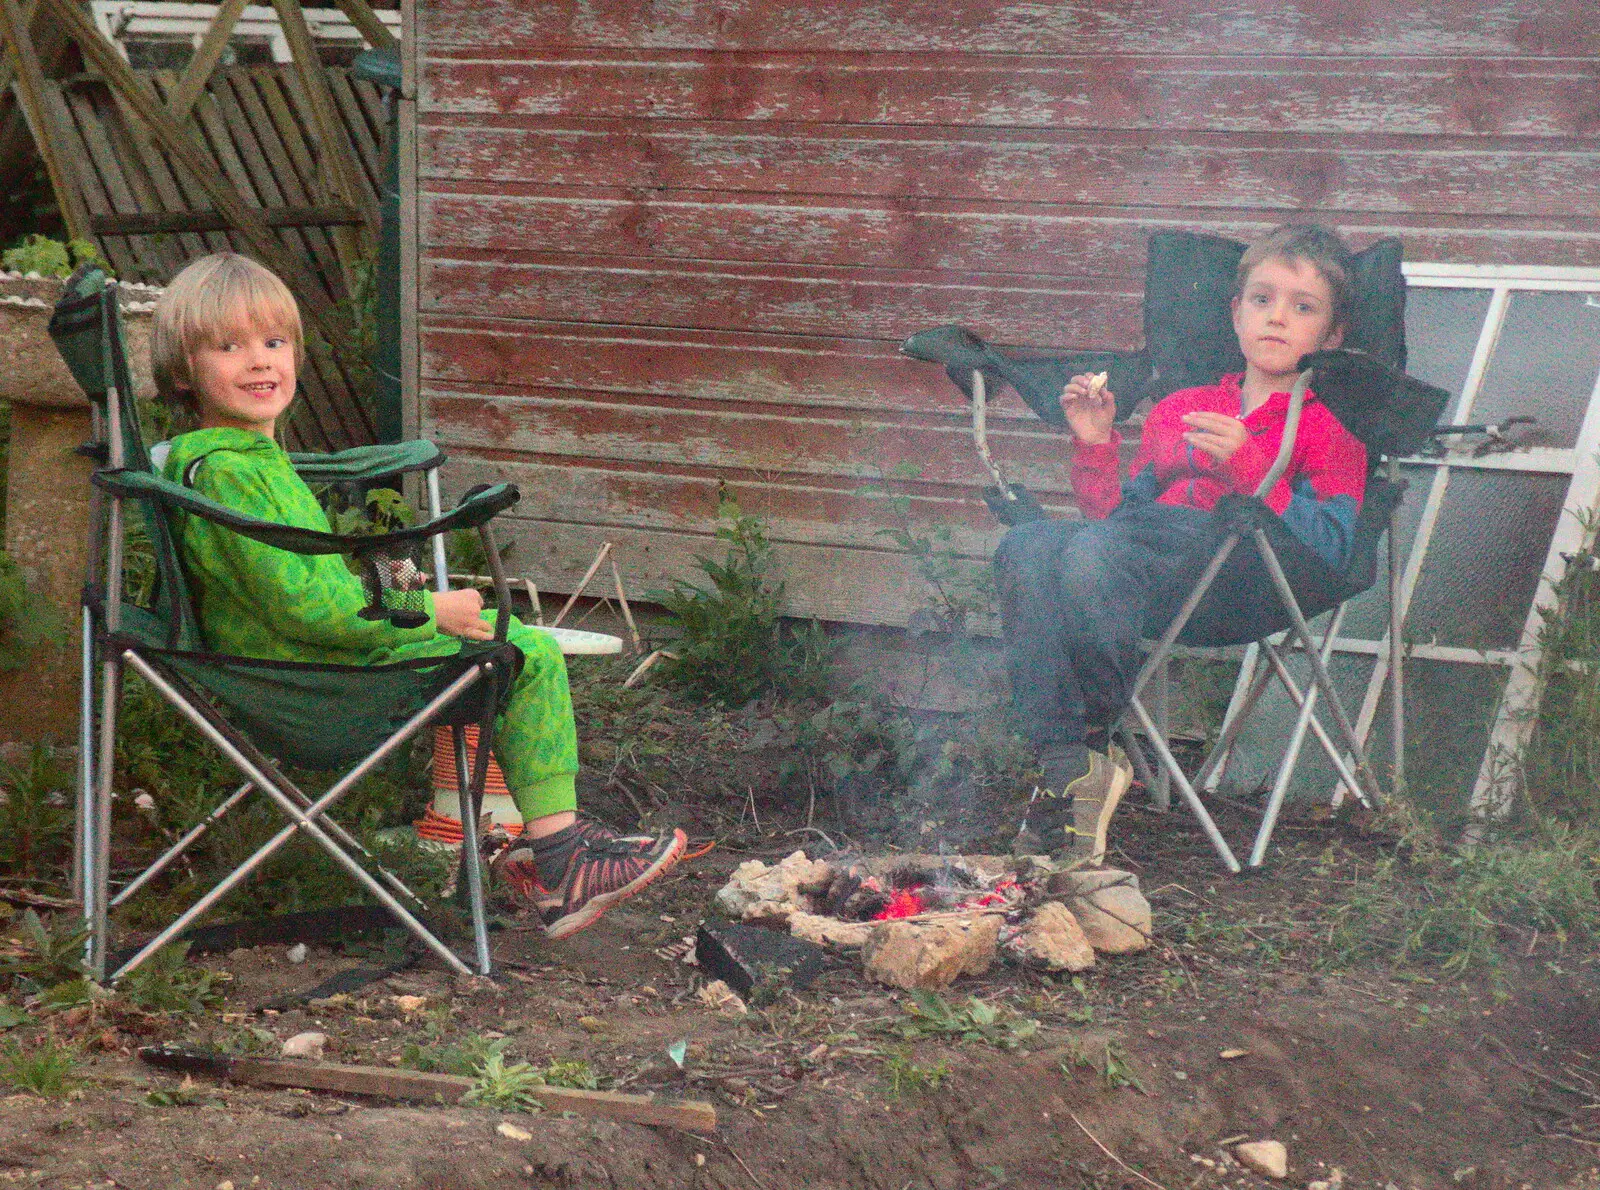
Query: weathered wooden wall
x=667, y=247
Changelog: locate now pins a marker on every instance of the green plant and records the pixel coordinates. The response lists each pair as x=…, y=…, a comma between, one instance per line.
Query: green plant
x=734, y=643
x=463, y=1058
x=165, y=982
x=1115, y=1069
x=507, y=1087
x=47, y=1069
x=1447, y=909
x=931, y=1015
x=49, y=954
x=903, y=1075
x=35, y=818
x=51, y=258
x=572, y=1072
x=853, y=738
x=26, y=622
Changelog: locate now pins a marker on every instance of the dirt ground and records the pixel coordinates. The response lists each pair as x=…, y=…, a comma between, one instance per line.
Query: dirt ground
x=1367, y=1079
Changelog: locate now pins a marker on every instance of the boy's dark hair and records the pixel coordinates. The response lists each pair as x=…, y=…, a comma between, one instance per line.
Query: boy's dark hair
x=1318, y=246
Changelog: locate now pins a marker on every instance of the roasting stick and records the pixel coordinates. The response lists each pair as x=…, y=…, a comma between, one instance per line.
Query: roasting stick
x=980, y=433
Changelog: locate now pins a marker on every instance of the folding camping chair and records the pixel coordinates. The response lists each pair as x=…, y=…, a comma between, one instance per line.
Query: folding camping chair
x=318, y=716
x=1278, y=587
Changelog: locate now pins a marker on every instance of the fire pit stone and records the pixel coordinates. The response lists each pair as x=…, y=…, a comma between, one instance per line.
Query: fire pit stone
x=1052, y=940
x=1108, y=905
x=771, y=894
x=931, y=954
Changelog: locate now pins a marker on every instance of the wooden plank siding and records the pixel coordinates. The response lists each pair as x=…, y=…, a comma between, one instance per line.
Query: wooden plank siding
x=668, y=251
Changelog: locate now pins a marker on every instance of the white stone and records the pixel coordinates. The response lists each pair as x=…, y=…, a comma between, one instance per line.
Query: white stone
x=1266, y=1157
x=297, y=953
x=1109, y=906
x=512, y=1132
x=305, y=1045
x=931, y=954
x=718, y=995
x=1053, y=940
x=829, y=931
x=759, y=893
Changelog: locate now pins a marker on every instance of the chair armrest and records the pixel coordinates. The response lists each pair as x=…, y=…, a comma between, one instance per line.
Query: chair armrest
x=367, y=463
x=475, y=509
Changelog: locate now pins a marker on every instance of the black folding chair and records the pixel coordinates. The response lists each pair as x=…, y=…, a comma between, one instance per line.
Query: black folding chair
x=1280, y=584
x=255, y=712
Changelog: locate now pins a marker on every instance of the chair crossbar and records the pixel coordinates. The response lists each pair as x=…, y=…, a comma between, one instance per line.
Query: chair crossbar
x=192, y=836
x=1301, y=698
x=245, y=757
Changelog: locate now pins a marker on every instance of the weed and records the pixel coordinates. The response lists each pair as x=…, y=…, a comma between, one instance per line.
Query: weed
x=47, y=1069
x=507, y=1087
x=26, y=622
x=734, y=643
x=49, y=954
x=902, y=1075
x=931, y=1015
x=1112, y=1065
x=51, y=258
x=165, y=982
x=185, y=1094
x=35, y=819
x=573, y=1072
x=1447, y=909
x=464, y=1057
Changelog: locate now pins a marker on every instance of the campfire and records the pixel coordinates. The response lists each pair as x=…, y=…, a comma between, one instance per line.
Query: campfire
x=923, y=920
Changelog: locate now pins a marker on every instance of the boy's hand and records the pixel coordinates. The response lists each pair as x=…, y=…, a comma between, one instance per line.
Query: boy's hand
x=1219, y=435
x=460, y=613
x=1090, y=408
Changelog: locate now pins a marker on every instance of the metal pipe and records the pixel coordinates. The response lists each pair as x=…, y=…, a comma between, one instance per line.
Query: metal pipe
x=301, y=820
x=1335, y=756
x=1168, y=638
x=1291, y=755
x=1185, y=790
x=99, y=874
x=471, y=869
x=1363, y=767
x=172, y=853
x=85, y=777
x=441, y=570
x=1161, y=792
x=1232, y=728
x=1217, y=762
x=1397, y=702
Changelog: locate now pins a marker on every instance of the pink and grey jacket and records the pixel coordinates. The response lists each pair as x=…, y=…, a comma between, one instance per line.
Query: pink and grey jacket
x=1317, y=497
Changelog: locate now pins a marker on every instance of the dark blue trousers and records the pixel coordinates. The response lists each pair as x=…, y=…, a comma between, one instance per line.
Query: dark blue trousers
x=1075, y=598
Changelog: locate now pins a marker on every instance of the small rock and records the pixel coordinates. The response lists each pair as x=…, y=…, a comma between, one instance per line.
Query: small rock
x=591, y=1024
x=410, y=1004
x=1109, y=906
x=1266, y=1157
x=1231, y=1055
x=297, y=953
x=717, y=994
x=931, y=954
x=829, y=931
x=305, y=1045
x=224, y=1186
x=512, y=1132
x=1053, y=940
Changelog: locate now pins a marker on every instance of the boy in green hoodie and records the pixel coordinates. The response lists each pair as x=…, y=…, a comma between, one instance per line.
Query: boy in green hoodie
x=225, y=347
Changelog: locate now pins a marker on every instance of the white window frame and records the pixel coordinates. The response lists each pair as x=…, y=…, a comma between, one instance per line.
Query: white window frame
x=169, y=20
x=1498, y=774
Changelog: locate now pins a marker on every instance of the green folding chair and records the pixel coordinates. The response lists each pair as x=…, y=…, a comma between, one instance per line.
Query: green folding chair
x=262, y=714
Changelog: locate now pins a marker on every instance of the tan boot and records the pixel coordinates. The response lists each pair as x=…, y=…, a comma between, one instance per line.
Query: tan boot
x=1095, y=797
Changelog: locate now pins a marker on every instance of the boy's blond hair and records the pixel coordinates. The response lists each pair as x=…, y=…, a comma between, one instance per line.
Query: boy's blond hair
x=1312, y=244
x=211, y=299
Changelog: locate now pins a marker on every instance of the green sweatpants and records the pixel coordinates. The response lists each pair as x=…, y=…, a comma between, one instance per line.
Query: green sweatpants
x=535, y=740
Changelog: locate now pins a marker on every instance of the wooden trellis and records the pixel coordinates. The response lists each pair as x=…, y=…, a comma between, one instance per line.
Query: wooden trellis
x=282, y=162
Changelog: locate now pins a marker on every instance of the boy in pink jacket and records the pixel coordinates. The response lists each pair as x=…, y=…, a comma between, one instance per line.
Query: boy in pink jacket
x=1077, y=597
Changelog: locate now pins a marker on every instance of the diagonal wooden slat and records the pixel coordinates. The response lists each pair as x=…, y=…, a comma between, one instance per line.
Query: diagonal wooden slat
x=367, y=22
x=100, y=53
x=340, y=172
x=195, y=76
x=8, y=70
x=15, y=28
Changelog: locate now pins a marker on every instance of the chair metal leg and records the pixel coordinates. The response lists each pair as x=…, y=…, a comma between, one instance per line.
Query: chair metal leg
x=305, y=820
x=190, y=837
x=1232, y=728
x=1161, y=712
x=1163, y=649
x=1334, y=753
x=1363, y=768
x=1217, y=762
x=1397, y=702
x=1135, y=753
x=470, y=879
x=86, y=773
x=1297, y=737
x=98, y=840
x=1185, y=790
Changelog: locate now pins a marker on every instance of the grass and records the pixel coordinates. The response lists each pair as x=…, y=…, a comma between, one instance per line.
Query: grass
x=905, y=1076
x=47, y=954
x=1113, y=1066
x=167, y=983
x=930, y=1015
x=47, y=1069
x=35, y=815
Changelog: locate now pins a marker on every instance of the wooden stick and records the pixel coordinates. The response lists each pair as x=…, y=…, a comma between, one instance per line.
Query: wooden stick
x=367, y=23
x=387, y=1083
x=627, y=613
x=533, y=601
x=643, y=666
x=594, y=568
x=198, y=73
x=1113, y=1156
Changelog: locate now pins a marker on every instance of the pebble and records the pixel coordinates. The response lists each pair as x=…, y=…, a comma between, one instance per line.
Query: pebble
x=297, y=953
x=1266, y=1157
x=512, y=1132
x=305, y=1045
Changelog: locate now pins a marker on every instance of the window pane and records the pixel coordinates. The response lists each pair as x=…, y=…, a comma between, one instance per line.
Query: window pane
x=1544, y=364
x=1442, y=327
x=1485, y=558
